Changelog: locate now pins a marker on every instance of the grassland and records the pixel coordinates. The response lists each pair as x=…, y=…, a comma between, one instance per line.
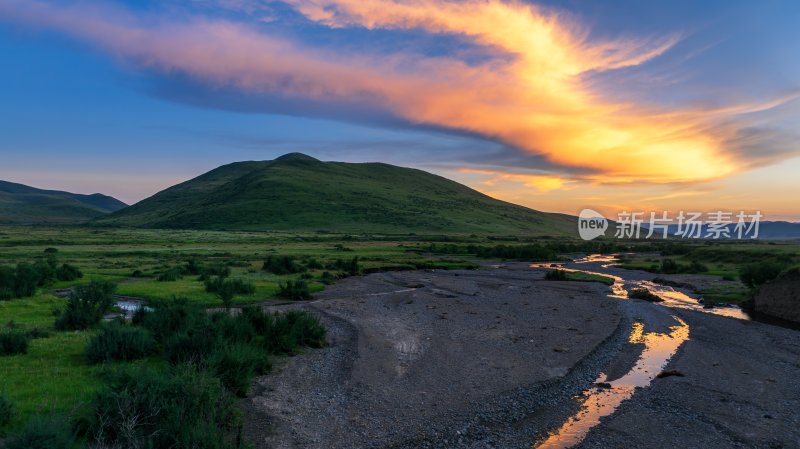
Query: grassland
x=53, y=375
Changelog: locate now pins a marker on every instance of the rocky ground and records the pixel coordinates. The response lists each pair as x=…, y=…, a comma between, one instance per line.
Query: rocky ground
x=495, y=358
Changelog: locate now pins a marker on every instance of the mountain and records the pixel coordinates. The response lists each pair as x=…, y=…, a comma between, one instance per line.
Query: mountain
x=21, y=204
x=298, y=192
x=767, y=230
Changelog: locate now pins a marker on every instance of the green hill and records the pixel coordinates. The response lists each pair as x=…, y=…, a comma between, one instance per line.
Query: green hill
x=298, y=192
x=21, y=204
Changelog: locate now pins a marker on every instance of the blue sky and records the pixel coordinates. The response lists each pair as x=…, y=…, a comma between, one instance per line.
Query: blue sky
x=556, y=105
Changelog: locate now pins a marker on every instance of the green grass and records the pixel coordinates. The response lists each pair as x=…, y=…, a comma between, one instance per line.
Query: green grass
x=587, y=277
x=735, y=294
x=31, y=312
x=52, y=376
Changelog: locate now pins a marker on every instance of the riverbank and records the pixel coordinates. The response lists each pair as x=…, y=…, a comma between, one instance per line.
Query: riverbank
x=498, y=357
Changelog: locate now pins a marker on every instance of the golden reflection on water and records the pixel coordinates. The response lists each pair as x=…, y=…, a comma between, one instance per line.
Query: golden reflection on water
x=602, y=400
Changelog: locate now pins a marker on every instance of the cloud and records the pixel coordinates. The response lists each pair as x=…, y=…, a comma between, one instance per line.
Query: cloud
x=534, y=95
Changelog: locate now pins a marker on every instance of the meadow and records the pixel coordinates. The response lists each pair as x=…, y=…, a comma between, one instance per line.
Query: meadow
x=54, y=377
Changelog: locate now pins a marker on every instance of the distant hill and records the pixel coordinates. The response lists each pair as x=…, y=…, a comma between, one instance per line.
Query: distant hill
x=767, y=230
x=298, y=192
x=21, y=204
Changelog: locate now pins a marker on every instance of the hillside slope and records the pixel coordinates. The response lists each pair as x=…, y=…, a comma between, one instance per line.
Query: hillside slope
x=21, y=204
x=297, y=192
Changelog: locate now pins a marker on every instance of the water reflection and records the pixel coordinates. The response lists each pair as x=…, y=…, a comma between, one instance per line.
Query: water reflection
x=604, y=265
x=601, y=400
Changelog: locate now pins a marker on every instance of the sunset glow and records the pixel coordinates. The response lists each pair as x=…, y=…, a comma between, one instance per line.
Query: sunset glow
x=529, y=80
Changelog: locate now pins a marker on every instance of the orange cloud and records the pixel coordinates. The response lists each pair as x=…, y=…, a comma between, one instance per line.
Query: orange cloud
x=533, y=95
x=542, y=183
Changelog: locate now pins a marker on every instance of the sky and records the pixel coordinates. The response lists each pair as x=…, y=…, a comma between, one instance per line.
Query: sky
x=556, y=105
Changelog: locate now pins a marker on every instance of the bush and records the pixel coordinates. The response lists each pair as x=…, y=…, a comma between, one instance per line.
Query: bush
x=313, y=264
x=351, y=267
x=170, y=275
x=226, y=289
x=281, y=265
x=697, y=267
x=233, y=329
x=6, y=411
x=67, y=272
x=256, y=317
x=756, y=274
x=14, y=342
x=119, y=342
x=287, y=331
x=180, y=408
x=86, y=306
x=295, y=290
x=236, y=365
x=555, y=275
x=669, y=266
x=219, y=270
x=43, y=432
x=191, y=345
x=169, y=318
x=327, y=278
x=643, y=293
x=26, y=279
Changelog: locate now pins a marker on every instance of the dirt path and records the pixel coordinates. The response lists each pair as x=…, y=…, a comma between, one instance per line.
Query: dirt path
x=499, y=358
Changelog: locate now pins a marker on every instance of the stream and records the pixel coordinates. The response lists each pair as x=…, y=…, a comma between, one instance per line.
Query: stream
x=627, y=280
x=658, y=348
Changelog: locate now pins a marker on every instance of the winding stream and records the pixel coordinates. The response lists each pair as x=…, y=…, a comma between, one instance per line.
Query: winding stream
x=605, y=396
x=606, y=265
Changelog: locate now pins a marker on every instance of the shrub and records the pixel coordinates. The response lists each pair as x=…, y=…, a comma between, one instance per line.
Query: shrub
x=191, y=345
x=287, y=331
x=327, y=278
x=256, y=317
x=219, y=270
x=170, y=275
x=26, y=279
x=6, y=411
x=351, y=267
x=67, y=272
x=14, y=342
x=43, y=432
x=697, y=267
x=86, y=306
x=180, y=408
x=295, y=290
x=555, y=275
x=234, y=329
x=236, y=365
x=119, y=342
x=168, y=317
x=756, y=274
x=669, y=266
x=281, y=265
x=643, y=293
x=226, y=289
x=313, y=264
x=50, y=250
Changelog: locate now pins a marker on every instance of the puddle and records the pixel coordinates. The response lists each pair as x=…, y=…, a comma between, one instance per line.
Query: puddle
x=600, y=401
